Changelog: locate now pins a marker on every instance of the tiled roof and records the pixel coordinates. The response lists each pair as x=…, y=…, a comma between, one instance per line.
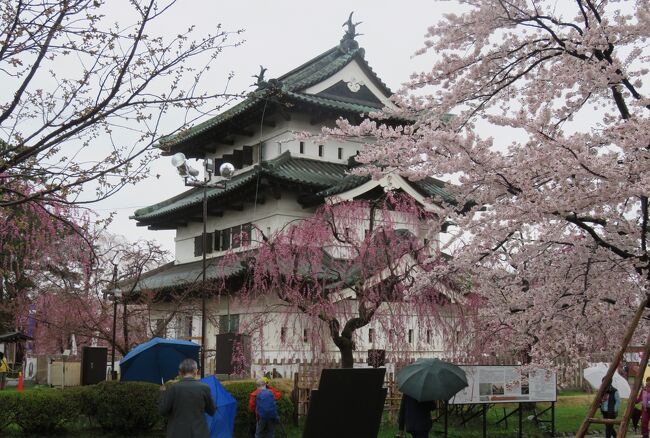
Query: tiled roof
x=322, y=177
x=285, y=168
x=185, y=274
x=289, y=87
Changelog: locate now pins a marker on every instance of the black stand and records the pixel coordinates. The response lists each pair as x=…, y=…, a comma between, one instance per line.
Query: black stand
x=518, y=410
x=348, y=403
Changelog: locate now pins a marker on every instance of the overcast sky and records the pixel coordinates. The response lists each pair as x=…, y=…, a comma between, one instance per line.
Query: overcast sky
x=281, y=35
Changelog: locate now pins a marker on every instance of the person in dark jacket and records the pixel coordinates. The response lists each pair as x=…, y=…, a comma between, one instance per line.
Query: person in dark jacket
x=609, y=407
x=185, y=403
x=415, y=416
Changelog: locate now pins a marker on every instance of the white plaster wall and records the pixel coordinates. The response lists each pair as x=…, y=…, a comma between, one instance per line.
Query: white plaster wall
x=269, y=352
x=271, y=217
x=283, y=137
x=268, y=217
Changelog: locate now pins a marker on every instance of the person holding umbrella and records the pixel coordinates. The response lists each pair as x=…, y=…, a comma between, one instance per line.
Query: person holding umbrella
x=185, y=404
x=415, y=417
x=422, y=383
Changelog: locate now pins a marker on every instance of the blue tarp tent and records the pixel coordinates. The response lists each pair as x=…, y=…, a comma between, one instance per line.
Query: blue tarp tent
x=222, y=424
x=157, y=360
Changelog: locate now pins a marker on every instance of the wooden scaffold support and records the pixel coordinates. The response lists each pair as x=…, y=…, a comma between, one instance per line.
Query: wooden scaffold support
x=623, y=422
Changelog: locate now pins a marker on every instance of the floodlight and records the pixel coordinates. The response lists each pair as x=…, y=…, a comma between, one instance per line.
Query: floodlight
x=226, y=170
x=178, y=159
x=180, y=163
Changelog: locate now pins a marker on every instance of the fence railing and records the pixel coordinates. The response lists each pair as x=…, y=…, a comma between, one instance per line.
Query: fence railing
x=568, y=370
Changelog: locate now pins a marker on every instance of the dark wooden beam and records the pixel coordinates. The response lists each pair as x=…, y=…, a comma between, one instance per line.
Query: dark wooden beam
x=214, y=211
x=319, y=118
x=209, y=147
x=242, y=132
x=284, y=112
x=167, y=225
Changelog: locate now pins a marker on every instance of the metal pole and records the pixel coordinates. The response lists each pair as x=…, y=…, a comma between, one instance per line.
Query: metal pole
x=446, y=419
x=484, y=421
x=203, y=298
x=114, y=329
x=552, y=418
x=114, y=322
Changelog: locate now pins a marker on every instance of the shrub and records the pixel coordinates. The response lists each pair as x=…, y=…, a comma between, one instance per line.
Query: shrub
x=241, y=391
x=44, y=411
x=82, y=397
x=8, y=402
x=125, y=406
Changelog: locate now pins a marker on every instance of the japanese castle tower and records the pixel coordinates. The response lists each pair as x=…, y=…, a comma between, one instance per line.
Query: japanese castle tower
x=278, y=178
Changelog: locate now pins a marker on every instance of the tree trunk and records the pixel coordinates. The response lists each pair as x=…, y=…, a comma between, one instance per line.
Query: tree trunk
x=347, y=360
x=125, y=326
x=346, y=347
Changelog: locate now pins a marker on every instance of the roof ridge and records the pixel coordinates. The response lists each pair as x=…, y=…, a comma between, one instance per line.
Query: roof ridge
x=311, y=61
x=276, y=161
x=315, y=160
x=168, y=201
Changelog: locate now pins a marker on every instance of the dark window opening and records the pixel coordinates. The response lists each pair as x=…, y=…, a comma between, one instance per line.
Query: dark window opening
x=236, y=236
x=321, y=150
x=283, y=334
x=246, y=237
x=225, y=239
x=229, y=323
x=209, y=240
x=340, y=153
x=410, y=336
x=371, y=335
x=217, y=240
x=302, y=147
x=305, y=335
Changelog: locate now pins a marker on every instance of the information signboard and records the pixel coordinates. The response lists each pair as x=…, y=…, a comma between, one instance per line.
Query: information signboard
x=506, y=384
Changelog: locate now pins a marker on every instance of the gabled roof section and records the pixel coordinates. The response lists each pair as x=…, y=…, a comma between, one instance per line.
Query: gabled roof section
x=304, y=172
x=353, y=186
x=325, y=65
x=288, y=88
x=316, y=180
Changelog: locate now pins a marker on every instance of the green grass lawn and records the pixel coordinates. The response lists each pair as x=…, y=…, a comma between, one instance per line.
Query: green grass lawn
x=570, y=411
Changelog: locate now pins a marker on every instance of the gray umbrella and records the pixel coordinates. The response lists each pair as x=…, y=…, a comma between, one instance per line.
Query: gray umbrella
x=431, y=379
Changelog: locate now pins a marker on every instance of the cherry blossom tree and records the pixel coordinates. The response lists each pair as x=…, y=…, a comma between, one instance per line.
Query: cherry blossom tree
x=85, y=308
x=38, y=243
x=86, y=97
x=552, y=202
x=349, y=264
x=56, y=270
